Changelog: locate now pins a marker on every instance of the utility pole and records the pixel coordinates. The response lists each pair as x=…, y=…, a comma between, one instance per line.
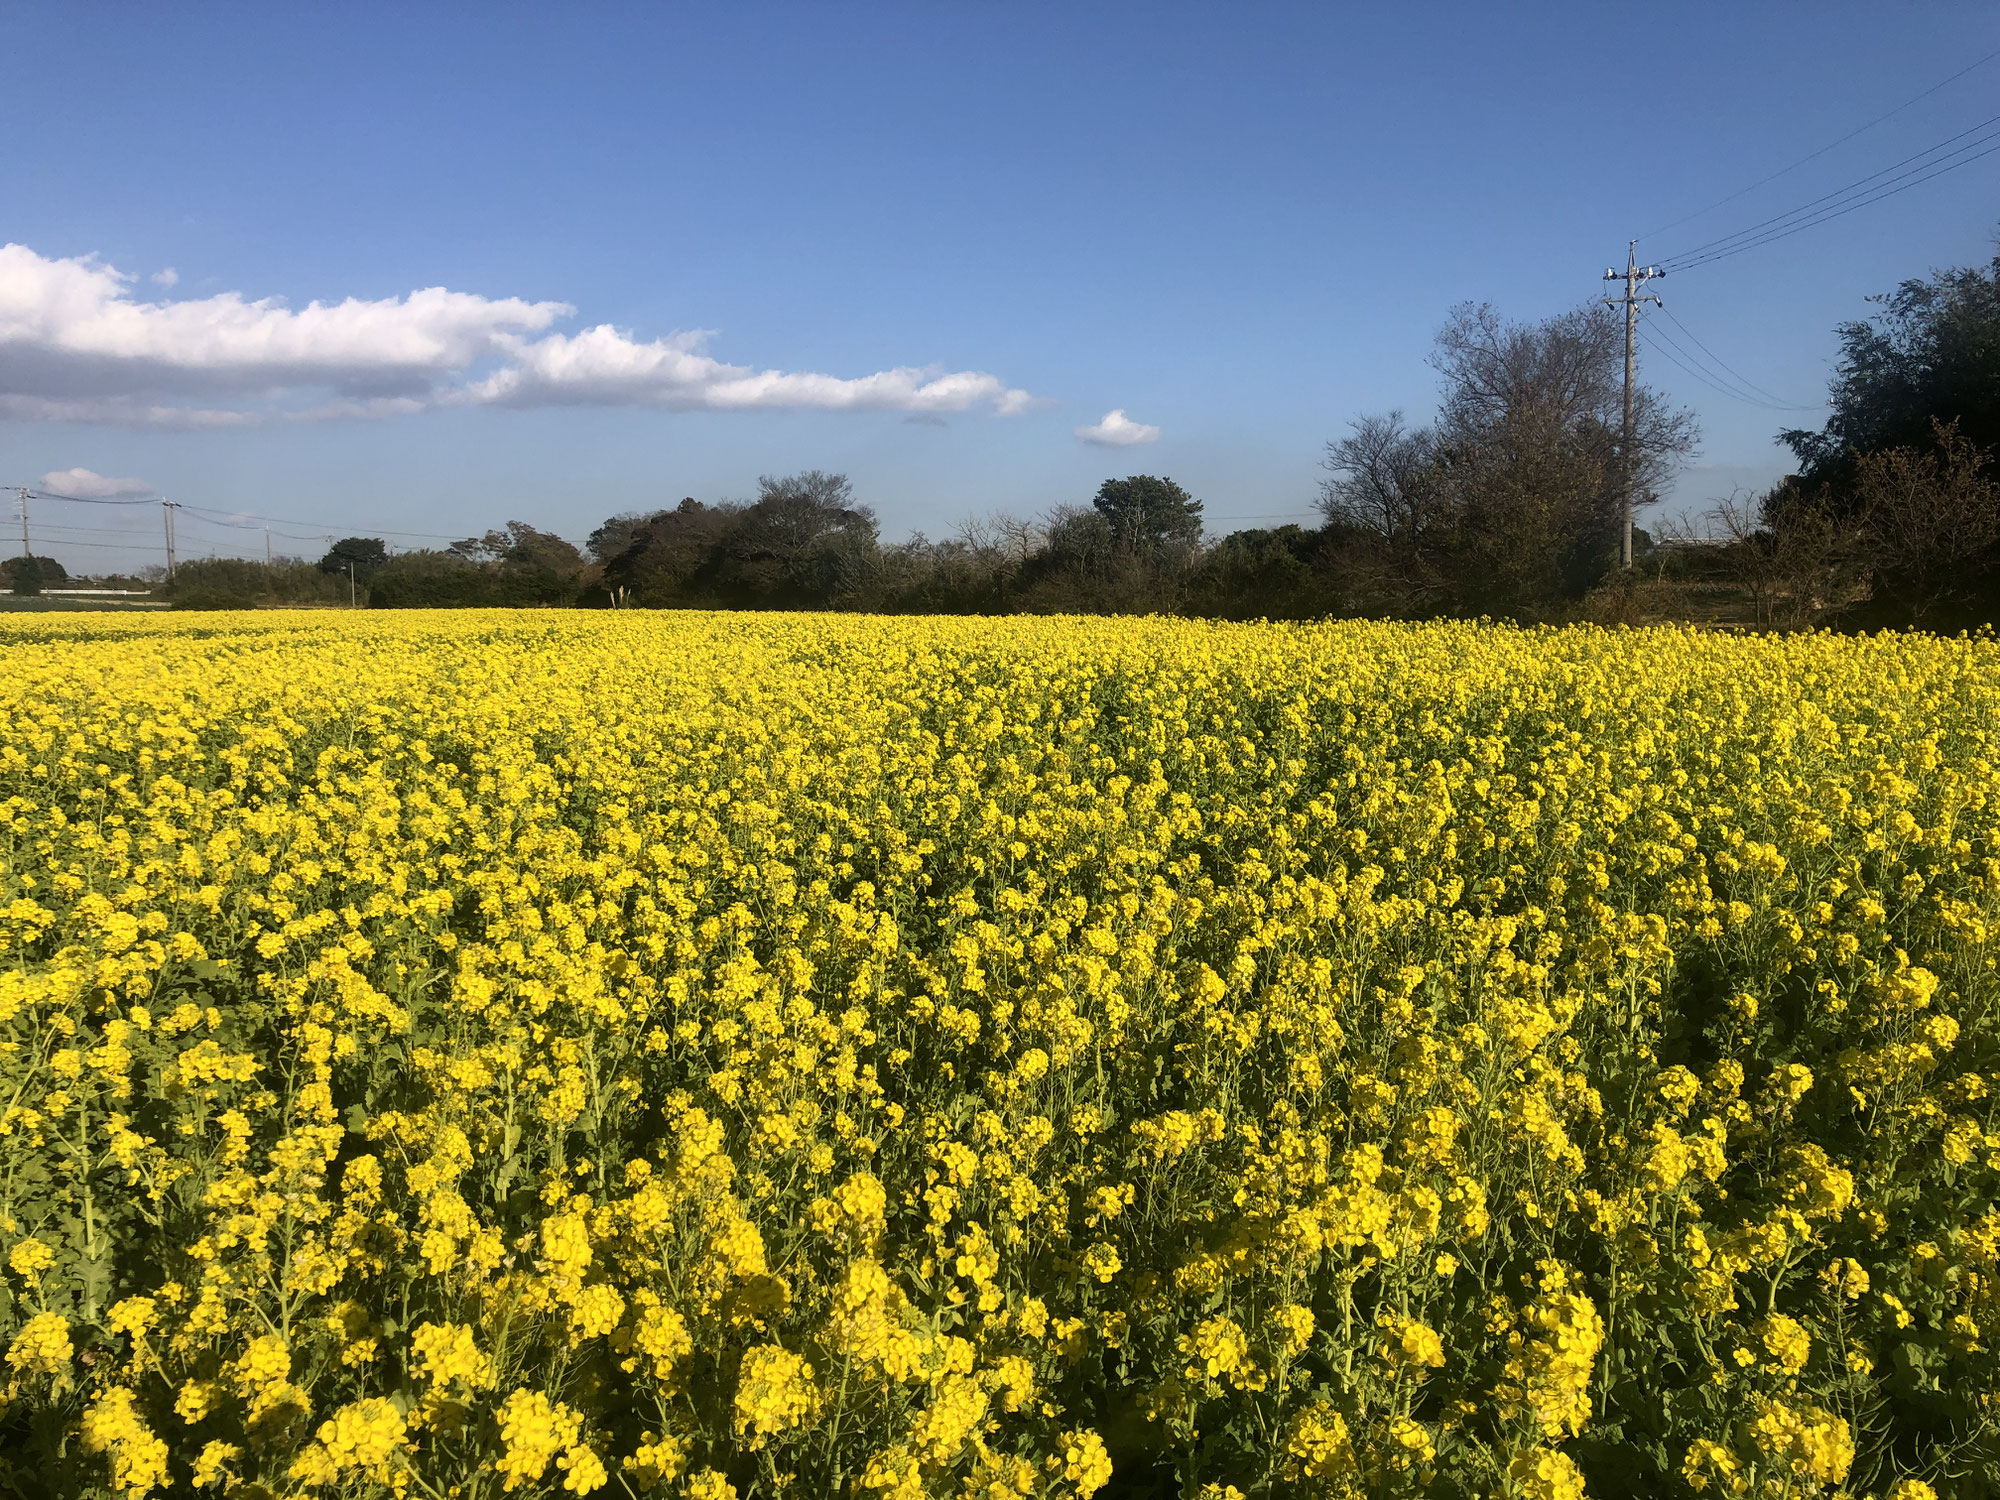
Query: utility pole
x=267, y=546
x=26, y=550
x=167, y=514
x=1635, y=276
x=350, y=583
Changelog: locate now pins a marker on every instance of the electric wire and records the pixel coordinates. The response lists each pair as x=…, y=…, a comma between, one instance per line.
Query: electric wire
x=196, y=533
x=42, y=527
x=1843, y=201
x=190, y=517
x=333, y=527
x=221, y=518
x=81, y=499
x=1857, y=185
x=1661, y=343
x=109, y=546
x=61, y=536
x=1814, y=156
x=1814, y=223
x=40, y=494
x=1717, y=362
x=1671, y=358
x=243, y=516
x=250, y=520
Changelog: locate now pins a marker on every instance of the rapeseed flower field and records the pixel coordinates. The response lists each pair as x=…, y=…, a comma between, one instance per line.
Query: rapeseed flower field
x=724, y=1055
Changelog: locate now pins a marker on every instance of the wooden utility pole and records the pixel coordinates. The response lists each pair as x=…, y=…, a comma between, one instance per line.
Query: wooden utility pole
x=1634, y=276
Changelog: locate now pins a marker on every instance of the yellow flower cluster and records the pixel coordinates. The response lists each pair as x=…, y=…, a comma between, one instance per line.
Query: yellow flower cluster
x=730, y=1056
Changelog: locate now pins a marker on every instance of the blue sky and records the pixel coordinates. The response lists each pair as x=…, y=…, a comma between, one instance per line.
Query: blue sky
x=1240, y=225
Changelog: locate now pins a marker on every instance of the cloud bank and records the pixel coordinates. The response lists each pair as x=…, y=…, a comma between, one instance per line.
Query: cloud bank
x=77, y=345
x=86, y=484
x=1118, y=431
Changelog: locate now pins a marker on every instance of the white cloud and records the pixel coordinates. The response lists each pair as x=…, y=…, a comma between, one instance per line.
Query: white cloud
x=122, y=411
x=86, y=484
x=603, y=366
x=1118, y=431
x=167, y=277
x=77, y=345
x=72, y=328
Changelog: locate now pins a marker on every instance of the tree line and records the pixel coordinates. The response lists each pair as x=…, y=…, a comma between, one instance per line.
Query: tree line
x=1893, y=517
x=1507, y=503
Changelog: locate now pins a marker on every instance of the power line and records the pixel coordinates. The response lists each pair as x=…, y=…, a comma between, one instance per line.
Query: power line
x=61, y=537
x=1855, y=195
x=109, y=546
x=89, y=499
x=250, y=521
x=1662, y=344
x=1719, y=378
x=225, y=516
x=238, y=517
x=44, y=527
x=1814, y=156
x=1887, y=191
x=182, y=525
x=1841, y=212
x=1840, y=192
x=220, y=518
x=1680, y=359
x=1717, y=361
x=435, y=536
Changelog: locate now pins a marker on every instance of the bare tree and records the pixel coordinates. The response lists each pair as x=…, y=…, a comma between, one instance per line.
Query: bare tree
x=1558, y=382
x=1379, y=473
x=1008, y=541
x=1509, y=503
x=1797, y=556
x=1528, y=439
x=1749, y=552
x=1932, y=517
